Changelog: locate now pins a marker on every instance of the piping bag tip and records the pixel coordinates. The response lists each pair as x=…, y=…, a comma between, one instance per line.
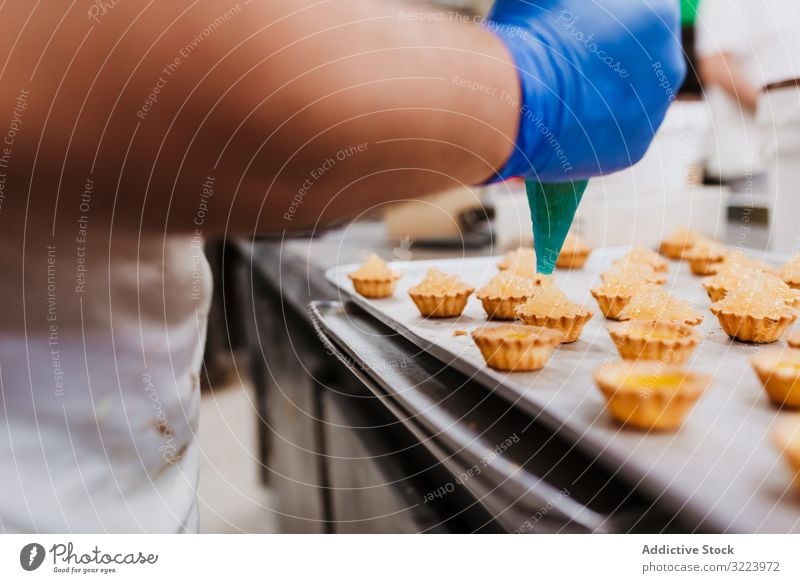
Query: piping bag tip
x=553, y=208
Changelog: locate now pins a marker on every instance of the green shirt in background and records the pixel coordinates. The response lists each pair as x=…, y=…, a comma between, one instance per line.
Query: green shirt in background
x=689, y=11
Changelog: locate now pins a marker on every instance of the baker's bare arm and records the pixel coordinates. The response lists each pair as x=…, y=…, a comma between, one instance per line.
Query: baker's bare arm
x=290, y=112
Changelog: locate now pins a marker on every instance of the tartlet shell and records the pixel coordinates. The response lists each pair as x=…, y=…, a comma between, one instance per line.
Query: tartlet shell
x=502, y=308
x=673, y=351
x=570, y=326
x=783, y=436
x=374, y=288
x=650, y=409
x=448, y=305
x=794, y=339
x=516, y=354
x=790, y=277
x=715, y=292
x=792, y=283
x=704, y=265
x=756, y=330
x=782, y=389
x=672, y=250
x=573, y=259
x=611, y=305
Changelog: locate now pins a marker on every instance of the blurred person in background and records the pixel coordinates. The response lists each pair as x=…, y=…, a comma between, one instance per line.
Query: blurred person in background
x=749, y=61
x=730, y=72
x=742, y=46
x=134, y=130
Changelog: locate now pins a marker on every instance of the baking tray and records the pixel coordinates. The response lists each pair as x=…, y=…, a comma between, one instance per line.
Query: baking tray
x=720, y=465
x=510, y=493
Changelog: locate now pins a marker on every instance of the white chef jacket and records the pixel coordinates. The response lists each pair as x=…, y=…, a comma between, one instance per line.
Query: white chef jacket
x=100, y=349
x=762, y=35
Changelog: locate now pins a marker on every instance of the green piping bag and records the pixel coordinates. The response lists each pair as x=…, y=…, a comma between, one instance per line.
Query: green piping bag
x=553, y=209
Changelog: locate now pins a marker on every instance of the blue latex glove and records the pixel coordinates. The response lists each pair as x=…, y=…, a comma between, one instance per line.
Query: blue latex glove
x=596, y=76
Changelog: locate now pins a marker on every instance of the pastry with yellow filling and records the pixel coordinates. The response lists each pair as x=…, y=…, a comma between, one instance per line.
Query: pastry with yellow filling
x=656, y=305
x=440, y=295
x=614, y=295
x=794, y=339
x=749, y=315
x=627, y=270
x=779, y=372
x=574, y=253
x=705, y=256
x=504, y=293
x=790, y=272
x=674, y=246
x=374, y=279
x=549, y=307
x=650, y=395
x=786, y=437
x=730, y=277
x=516, y=348
x=668, y=342
x=646, y=257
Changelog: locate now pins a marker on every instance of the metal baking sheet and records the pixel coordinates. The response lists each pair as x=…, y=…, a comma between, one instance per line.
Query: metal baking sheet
x=720, y=465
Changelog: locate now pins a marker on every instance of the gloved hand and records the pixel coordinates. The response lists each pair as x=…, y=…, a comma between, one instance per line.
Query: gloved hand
x=596, y=77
